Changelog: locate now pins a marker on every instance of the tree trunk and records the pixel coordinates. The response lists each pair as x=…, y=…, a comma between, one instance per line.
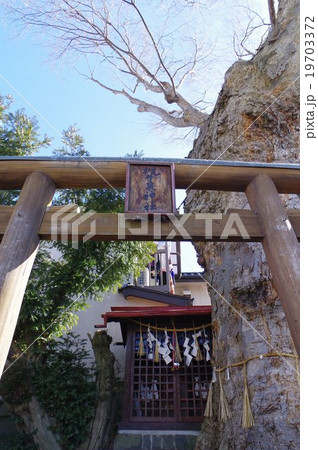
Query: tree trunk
x=36, y=423
x=102, y=424
x=256, y=118
x=34, y=420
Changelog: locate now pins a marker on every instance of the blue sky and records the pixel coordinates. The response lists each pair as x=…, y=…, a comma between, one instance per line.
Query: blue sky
x=59, y=96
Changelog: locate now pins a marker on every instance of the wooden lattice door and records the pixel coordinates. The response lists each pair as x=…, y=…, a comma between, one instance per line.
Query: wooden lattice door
x=160, y=393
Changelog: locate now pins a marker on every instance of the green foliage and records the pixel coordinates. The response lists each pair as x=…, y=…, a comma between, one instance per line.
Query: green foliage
x=65, y=387
x=59, y=287
x=19, y=136
x=73, y=143
x=15, y=385
x=136, y=154
x=20, y=441
x=99, y=200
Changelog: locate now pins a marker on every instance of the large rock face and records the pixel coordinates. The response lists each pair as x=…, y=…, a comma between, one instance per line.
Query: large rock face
x=256, y=118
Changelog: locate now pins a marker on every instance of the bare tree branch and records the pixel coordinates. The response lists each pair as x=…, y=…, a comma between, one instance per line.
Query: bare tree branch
x=133, y=4
x=146, y=57
x=272, y=13
x=188, y=119
x=241, y=43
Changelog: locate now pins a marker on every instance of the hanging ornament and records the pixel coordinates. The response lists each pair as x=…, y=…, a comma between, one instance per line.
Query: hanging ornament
x=150, y=340
x=297, y=370
x=165, y=349
x=141, y=348
x=247, y=416
x=196, y=351
x=187, y=348
x=157, y=345
x=227, y=374
x=206, y=346
x=208, y=409
x=157, y=354
x=224, y=409
x=178, y=357
x=214, y=378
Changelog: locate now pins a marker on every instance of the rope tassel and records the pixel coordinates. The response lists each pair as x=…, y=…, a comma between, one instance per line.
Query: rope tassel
x=157, y=345
x=247, y=416
x=178, y=357
x=141, y=348
x=297, y=371
x=157, y=356
x=208, y=409
x=224, y=409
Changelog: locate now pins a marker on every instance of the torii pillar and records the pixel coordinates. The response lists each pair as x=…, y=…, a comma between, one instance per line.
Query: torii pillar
x=281, y=248
x=17, y=253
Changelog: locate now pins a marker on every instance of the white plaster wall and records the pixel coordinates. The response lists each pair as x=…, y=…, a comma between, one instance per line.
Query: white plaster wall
x=198, y=291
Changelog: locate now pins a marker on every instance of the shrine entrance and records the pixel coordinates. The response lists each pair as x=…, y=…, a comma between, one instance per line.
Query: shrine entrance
x=23, y=226
x=160, y=393
x=168, y=367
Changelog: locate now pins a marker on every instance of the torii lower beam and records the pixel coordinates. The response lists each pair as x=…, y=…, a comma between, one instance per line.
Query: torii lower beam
x=17, y=252
x=237, y=225
x=281, y=248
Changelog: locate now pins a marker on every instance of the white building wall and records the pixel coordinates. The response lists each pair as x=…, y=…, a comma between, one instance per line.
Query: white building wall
x=198, y=291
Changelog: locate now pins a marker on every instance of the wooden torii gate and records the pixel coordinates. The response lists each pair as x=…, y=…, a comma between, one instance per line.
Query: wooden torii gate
x=23, y=226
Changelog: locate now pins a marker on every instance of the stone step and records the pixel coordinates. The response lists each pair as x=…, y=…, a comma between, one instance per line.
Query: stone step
x=155, y=440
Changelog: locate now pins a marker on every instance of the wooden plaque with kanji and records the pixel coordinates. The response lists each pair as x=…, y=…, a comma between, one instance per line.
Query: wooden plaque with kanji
x=150, y=188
